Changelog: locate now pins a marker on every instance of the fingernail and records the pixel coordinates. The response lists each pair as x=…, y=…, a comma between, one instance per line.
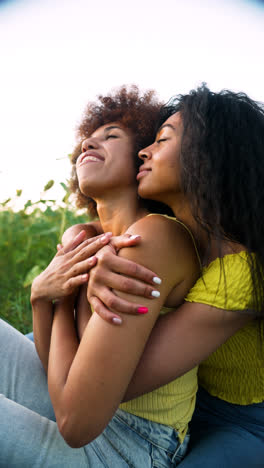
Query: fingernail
x=156, y=280
x=142, y=310
x=155, y=294
x=134, y=237
x=117, y=320
x=106, y=236
x=91, y=259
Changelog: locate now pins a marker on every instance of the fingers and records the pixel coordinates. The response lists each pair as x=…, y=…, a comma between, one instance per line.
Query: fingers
x=76, y=281
x=129, y=268
x=125, y=241
x=82, y=267
x=111, y=301
x=103, y=312
x=74, y=242
x=123, y=283
x=79, y=242
x=88, y=248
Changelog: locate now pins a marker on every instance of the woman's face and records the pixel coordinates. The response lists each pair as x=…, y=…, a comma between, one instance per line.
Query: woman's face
x=159, y=176
x=106, y=161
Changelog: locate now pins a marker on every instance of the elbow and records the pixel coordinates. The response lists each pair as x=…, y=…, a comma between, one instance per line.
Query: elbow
x=74, y=434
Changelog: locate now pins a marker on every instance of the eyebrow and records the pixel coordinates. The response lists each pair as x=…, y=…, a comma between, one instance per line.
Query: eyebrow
x=111, y=127
x=106, y=129
x=167, y=125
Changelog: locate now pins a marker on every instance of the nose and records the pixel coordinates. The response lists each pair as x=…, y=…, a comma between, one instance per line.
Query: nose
x=145, y=153
x=89, y=143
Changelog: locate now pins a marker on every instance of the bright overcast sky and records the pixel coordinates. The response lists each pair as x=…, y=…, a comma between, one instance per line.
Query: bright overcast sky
x=56, y=55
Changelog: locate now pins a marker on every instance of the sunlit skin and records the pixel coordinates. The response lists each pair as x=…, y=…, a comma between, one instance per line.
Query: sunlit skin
x=106, y=173
x=159, y=175
x=109, y=151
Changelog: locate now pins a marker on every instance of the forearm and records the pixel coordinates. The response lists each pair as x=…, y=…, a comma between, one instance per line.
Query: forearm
x=63, y=347
x=181, y=340
x=82, y=311
x=42, y=325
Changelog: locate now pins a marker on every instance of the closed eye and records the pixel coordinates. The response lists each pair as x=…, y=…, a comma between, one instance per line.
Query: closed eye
x=162, y=139
x=111, y=136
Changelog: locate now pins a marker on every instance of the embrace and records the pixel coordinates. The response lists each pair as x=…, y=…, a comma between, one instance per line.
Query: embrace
x=149, y=321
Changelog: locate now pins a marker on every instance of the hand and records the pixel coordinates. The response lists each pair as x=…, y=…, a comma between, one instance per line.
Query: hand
x=108, y=275
x=68, y=269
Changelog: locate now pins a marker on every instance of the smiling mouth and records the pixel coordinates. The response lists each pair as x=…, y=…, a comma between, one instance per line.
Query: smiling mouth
x=90, y=157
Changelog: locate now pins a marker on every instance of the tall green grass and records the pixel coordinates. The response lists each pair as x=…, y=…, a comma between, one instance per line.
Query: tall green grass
x=28, y=240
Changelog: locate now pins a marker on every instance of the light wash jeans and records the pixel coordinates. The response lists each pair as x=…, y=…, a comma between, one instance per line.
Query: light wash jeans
x=29, y=436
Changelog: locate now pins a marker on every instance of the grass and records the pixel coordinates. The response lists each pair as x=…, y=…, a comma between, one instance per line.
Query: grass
x=28, y=240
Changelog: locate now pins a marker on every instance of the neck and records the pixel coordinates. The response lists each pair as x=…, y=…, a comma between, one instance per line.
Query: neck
x=181, y=208
x=209, y=247
x=119, y=210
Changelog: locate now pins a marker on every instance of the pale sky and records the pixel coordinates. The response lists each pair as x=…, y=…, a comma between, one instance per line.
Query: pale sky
x=56, y=55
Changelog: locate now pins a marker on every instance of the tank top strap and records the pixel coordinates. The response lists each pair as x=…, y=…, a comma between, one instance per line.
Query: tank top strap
x=186, y=228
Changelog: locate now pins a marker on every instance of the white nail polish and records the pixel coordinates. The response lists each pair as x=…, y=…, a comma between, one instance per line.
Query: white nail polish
x=117, y=320
x=156, y=280
x=134, y=237
x=155, y=294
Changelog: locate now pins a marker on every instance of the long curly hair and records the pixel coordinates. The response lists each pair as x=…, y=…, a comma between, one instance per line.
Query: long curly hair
x=222, y=169
x=139, y=113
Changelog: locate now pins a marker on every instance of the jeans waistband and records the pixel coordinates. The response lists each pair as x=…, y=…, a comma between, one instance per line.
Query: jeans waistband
x=160, y=435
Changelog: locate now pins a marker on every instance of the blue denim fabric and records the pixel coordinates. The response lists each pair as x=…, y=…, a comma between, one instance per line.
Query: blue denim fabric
x=30, y=336
x=130, y=441
x=225, y=435
x=29, y=436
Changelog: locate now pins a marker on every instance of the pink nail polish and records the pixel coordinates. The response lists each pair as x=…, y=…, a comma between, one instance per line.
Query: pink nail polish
x=142, y=310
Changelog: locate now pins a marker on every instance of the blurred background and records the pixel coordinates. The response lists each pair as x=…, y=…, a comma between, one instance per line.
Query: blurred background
x=56, y=55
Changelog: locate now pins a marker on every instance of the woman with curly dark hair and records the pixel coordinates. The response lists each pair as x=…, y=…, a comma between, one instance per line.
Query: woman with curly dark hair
x=213, y=144
x=89, y=362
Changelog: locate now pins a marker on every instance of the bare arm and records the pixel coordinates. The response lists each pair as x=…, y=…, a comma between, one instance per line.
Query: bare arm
x=66, y=272
x=82, y=306
x=181, y=340
x=80, y=375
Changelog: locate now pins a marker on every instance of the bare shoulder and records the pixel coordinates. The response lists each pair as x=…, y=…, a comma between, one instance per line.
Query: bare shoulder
x=170, y=236
x=91, y=229
x=167, y=248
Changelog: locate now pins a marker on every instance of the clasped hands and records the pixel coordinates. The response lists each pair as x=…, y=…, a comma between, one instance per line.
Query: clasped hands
x=95, y=261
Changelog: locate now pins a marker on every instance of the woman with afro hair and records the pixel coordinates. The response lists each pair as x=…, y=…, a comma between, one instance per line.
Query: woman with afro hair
x=213, y=144
x=70, y=412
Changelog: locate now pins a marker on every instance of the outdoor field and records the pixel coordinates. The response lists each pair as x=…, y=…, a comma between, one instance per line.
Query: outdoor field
x=28, y=240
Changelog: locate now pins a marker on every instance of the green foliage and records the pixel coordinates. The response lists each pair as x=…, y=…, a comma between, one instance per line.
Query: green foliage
x=28, y=240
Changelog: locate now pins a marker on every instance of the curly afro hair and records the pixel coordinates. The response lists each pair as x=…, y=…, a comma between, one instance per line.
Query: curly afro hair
x=138, y=112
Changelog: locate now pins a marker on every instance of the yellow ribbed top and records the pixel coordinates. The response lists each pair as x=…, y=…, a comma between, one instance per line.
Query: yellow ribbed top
x=172, y=404
x=235, y=371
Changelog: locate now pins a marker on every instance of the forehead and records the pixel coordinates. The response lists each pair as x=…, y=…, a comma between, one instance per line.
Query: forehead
x=175, y=120
x=109, y=126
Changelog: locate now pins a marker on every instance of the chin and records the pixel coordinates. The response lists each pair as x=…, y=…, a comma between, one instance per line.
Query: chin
x=145, y=191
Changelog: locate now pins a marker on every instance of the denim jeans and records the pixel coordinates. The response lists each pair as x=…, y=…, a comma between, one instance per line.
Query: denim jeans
x=225, y=435
x=29, y=436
